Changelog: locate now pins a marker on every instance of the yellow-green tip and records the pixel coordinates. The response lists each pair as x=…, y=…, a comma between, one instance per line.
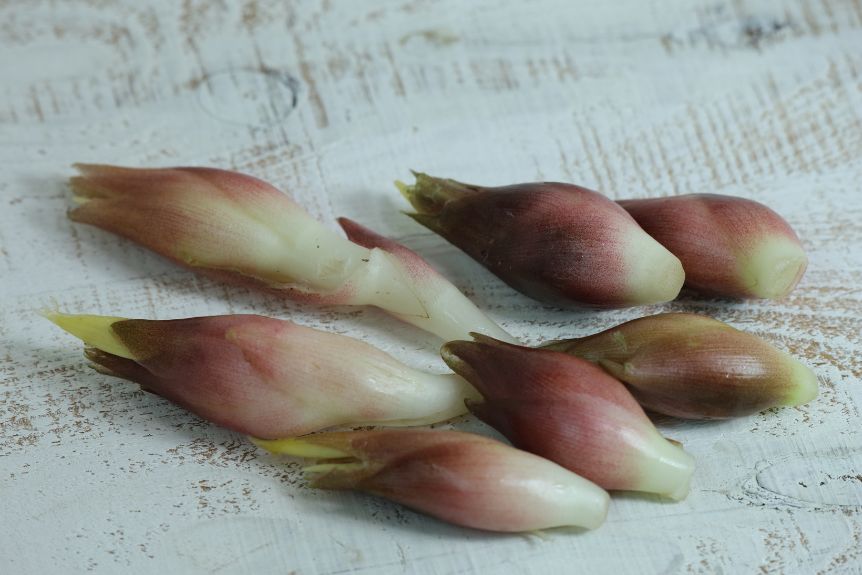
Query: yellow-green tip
x=93, y=330
x=773, y=268
x=298, y=448
x=803, y=382
x=403, y=188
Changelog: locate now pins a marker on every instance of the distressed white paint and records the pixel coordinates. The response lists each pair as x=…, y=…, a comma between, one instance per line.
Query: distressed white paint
x=331, y=101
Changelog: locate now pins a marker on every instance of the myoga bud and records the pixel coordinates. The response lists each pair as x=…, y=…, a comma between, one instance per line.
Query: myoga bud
x=235, y=227
x=571, y=412
x=461, y=478
x=557, y=243
x=696, y=367
x=728, y=246
x=266, y=377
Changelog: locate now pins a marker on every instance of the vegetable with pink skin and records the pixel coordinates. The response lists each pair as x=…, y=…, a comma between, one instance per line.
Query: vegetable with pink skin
x=462, y=478
x=266, y=377
x=557, y=243
x=571, y=412
x=728, y=246
x=238, y=228
x=696, y=367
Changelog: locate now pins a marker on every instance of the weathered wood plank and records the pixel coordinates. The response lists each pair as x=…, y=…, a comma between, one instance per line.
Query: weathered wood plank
x=331, y=101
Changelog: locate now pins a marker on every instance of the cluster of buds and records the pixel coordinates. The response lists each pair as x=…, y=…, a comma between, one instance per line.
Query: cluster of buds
x=266, y=377
x=696, y=367
x=238, y=228
x=462, y=478
x=572, y=409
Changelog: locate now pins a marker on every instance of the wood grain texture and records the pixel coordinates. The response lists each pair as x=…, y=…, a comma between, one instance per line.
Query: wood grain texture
x=332, y=100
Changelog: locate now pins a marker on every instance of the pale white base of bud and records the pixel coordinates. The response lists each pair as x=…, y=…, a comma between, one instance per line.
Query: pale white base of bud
x=666, y=469
x=654, y=275
x=803, y=382
x=773, y=267
x=376, y=277
x=425, y=398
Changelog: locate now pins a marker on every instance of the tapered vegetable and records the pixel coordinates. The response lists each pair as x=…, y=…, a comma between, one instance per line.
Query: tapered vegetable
x=696, y=367
x=728, y=246
x=571, y=412
x=266, y=377
x=557, y=243
x=238, y=228
x=461, y=478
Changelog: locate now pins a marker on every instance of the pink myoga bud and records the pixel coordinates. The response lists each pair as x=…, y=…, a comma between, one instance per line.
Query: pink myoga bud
x=728, y=246
x=557, y=243
x=696, y=367
x=266, y=377
x=235, y=227
x=461, y=478
x=571, y=412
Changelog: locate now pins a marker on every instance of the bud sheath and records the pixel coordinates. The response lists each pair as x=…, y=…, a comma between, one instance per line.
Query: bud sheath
x=557, y=243
x=461, y=478
x=454, y=315
x=696, y=367
x=728, y=246
x=571, y=412
x=266, y=377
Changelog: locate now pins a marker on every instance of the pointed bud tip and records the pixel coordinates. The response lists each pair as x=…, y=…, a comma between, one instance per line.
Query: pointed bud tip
x=459, y=355
x=409, y=193
x=403, y=188
x=428, y=195
x=360, y=235
x=81, y=194
x=94, y=330
x=85, y=167
x=299, y=448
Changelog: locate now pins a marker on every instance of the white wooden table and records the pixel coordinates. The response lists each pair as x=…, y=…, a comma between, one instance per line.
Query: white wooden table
x=333, y=99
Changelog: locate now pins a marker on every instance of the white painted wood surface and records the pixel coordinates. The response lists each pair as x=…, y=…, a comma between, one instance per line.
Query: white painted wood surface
x=331, y=100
